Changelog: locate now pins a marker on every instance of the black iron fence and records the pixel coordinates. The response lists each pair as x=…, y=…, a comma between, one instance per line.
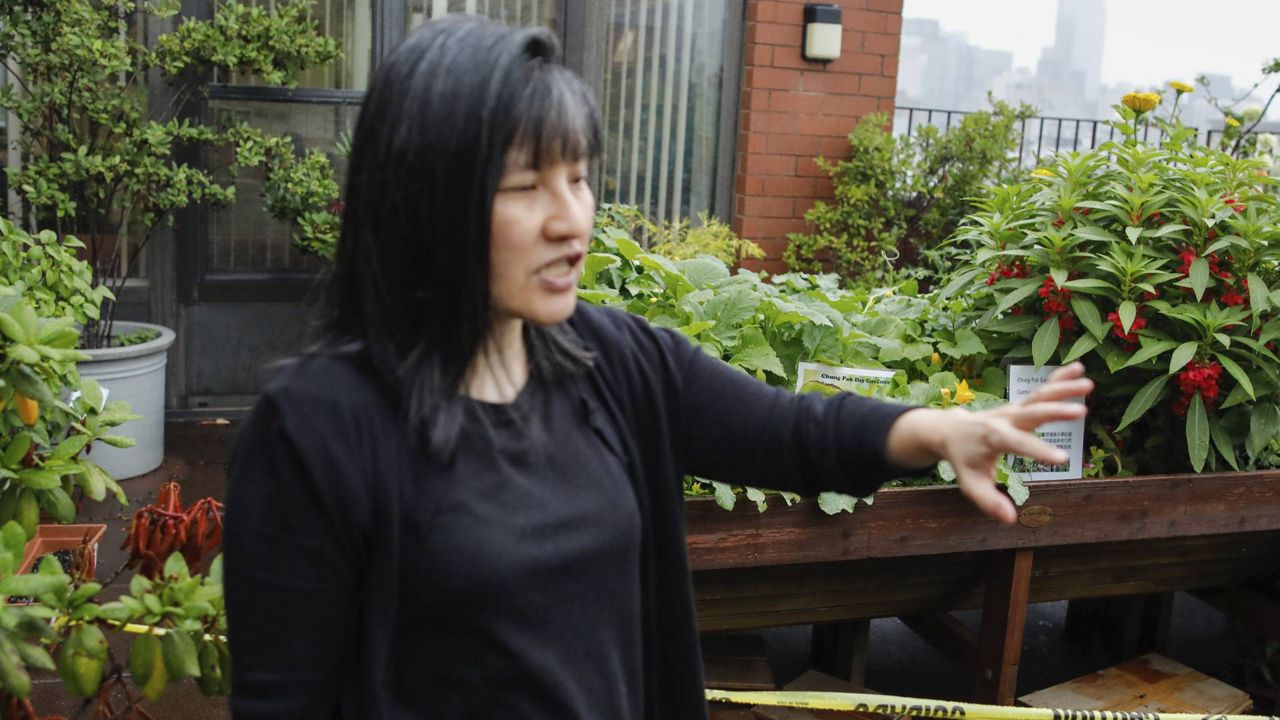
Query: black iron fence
x=1042, y=134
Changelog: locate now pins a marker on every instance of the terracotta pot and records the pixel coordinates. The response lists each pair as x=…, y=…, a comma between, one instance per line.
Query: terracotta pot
x=52, y=538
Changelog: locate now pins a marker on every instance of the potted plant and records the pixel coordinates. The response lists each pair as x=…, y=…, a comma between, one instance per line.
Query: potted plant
x=103, y=163
x=51, y=616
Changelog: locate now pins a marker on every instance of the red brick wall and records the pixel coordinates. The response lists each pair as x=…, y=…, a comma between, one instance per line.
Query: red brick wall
x=793, y=110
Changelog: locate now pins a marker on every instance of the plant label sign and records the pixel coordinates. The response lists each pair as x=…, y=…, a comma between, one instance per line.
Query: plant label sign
x=827, y=378
x=1067, y=434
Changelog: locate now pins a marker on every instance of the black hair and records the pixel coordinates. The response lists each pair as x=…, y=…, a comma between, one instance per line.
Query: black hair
x=410, y=279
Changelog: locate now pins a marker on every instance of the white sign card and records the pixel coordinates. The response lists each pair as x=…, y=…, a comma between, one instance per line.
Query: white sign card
x=1065, y=434
x=863, y=381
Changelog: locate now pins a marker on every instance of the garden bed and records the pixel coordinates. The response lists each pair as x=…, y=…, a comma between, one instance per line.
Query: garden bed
x=921, y=552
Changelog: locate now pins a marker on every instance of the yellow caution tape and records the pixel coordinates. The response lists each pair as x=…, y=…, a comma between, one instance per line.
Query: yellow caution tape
x=917, y=707
x=143, y=629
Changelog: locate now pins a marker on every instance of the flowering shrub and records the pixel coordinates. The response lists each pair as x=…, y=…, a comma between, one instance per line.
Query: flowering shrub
x=1153, y=265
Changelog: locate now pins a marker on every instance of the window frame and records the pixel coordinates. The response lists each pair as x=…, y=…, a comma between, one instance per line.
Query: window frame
x=581, y=34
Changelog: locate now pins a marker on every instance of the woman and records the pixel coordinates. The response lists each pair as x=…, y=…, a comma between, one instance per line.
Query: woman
x=466, y=501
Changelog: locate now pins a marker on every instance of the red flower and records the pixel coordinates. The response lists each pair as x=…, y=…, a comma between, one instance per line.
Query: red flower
x=1130, y=338
x=1197, y=378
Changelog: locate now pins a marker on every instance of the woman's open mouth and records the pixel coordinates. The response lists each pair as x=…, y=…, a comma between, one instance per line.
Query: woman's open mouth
x=561, y=274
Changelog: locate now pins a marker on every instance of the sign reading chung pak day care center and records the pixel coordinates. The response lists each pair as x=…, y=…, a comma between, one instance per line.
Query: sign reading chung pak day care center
x=863, y=381
x=1065, y=434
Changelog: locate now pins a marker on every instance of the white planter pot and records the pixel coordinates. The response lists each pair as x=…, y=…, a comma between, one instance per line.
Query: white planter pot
x=134, y=374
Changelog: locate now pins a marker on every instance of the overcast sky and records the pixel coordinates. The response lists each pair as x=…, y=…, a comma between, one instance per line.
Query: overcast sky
x=1148, y=42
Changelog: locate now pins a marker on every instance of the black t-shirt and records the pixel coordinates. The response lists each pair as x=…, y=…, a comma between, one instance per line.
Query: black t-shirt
x=521, y=594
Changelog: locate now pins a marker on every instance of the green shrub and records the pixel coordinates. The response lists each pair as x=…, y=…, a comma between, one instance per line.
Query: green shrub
x=896, y=197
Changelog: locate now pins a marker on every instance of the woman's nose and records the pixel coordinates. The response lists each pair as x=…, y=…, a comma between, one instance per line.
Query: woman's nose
x=571, y=212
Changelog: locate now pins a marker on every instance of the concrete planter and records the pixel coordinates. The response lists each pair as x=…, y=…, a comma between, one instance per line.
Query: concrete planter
x=136, y=375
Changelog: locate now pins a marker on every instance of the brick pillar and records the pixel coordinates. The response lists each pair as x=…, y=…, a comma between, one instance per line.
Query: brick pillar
x=792, y=111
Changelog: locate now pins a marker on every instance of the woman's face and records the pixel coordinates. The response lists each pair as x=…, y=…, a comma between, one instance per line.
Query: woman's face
x=538, y=240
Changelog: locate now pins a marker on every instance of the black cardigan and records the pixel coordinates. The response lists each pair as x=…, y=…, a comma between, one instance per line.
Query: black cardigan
x=319, y=469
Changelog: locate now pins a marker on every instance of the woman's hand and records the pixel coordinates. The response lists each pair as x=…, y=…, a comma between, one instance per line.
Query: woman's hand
x=973, y=441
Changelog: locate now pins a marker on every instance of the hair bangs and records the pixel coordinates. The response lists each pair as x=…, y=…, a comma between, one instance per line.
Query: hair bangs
x=557, y=118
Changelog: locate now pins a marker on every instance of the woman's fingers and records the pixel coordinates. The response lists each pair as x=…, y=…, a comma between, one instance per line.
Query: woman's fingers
x=1061, y=390
x=1020, y=442
x=1032, y=416
x=1068, y=372
x=979, y=486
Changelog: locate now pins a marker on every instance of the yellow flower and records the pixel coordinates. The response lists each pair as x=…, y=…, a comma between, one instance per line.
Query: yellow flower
x=946, y=395
x=1181, y=87
x=935, y=358
x=1141, y=102
x=963, y=393
x=1232, y=122
x=1043, y=172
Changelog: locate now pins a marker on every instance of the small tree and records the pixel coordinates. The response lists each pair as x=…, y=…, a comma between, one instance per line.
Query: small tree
x=103, y=162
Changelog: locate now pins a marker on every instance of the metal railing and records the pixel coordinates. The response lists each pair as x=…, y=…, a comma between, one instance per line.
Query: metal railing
x=1042, y=134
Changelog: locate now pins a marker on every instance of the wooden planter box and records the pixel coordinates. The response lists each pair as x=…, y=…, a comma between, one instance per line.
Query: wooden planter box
x=921, y=552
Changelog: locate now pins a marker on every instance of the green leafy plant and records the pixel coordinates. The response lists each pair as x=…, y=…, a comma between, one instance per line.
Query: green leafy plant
x=767, y=328
x=1153, y=265
x=49, y=421
x=678, y=240
x=896, y=197
x=104, y=162
x=178, y=619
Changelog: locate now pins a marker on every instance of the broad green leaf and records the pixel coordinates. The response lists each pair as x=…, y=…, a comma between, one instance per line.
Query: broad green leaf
x=1133, y=233
x=1264, y=423
x=1089, y=316
x=1169, y=228
x=1087, y=284
x=1016, y=296
x=1197, y=433
x=40, y=478
x=1142, y=401
x=832, y=503
x=724, y=495
x=753, y=352
x=1235, y=397
x=1059, y=276
x=1182, y=356
x=1222, y=441
x=12, y=328
x=1259, y=297
x=595, y=262
x=1236, y=372
x=731, y=308
x=1082, y=345
x=628, y=248
x=1199, y=275
x=703, y=271
x=1092, y=232
x=1045, y=342
x=958, y=282
x=1150, y=351
x=32, y=584
x=693, y=328
x=69, y=448
x=1128, y=313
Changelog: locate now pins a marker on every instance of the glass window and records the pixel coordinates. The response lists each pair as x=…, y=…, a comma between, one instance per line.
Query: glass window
x=521, y=13
x=661, y=104
x=350, y=23
x=243, y=236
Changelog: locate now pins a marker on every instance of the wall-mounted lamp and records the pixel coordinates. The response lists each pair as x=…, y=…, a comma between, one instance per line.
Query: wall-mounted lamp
x=822, y=32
